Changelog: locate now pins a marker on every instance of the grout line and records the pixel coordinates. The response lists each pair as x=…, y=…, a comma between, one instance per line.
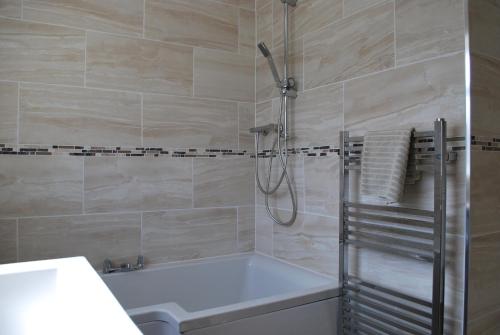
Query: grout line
x=193, y=74
x=343, y=109
x=18, y=116
x=239, y=31
x=237, y=228
x=192, y=183
x=117, y=213
x=85, y=62
x=303, y=212
x=142, y=119
x=141, y=246
x=282, y=260
x=129, y=36
x=118, y=90
x=17, y=240
x=383, y=71
x=238, y=126
x=272, y=24
x=395, y=39
x=357, y=11
x=143, y=18
x=83, y=185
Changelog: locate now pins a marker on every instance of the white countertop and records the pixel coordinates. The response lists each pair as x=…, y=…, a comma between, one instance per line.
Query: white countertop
x=60, y=296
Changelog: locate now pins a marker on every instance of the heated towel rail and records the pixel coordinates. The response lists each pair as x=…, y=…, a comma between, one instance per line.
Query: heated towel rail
x=370, y=308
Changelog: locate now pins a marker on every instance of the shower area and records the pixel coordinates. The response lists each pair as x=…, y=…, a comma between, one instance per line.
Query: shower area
x=202, y=138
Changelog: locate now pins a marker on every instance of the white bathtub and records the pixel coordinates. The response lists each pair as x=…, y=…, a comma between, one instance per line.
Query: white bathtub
x=243, y=294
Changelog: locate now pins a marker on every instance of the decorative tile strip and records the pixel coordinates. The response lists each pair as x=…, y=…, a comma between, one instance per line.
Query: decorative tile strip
x=110, y=151
x=422, y=145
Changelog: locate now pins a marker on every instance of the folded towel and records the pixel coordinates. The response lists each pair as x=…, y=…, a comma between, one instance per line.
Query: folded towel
x=383, y=164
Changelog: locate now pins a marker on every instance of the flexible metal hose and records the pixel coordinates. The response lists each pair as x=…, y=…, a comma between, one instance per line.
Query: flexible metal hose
x=283, y=157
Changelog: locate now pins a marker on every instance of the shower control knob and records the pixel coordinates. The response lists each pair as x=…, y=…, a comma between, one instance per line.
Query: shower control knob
x=291, y=83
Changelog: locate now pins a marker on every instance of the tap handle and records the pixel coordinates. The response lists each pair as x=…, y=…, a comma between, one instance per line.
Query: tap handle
x=140, y=261
x=107, y=266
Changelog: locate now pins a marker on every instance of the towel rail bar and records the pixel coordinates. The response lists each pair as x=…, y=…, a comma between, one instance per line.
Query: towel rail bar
x=387, y=301
x=391, y=312
x=364, y=226
x=411, y=211
x=368, y=307
x=360, y=284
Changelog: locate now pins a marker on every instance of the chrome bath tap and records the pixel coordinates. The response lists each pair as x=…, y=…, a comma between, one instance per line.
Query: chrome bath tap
x=124, y=267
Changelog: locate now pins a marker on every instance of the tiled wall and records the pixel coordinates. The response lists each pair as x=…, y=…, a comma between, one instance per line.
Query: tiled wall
x=103, y=80
x=484, y=268
x=364, y=65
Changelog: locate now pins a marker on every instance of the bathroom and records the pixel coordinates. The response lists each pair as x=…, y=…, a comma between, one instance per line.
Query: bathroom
x=197, y=155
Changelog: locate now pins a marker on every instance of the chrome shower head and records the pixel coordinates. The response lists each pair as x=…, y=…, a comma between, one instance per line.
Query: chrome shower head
x=267, y=54
x=264, y=50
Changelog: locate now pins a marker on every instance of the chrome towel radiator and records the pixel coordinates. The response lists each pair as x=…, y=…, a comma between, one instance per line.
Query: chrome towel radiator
x=370, y=308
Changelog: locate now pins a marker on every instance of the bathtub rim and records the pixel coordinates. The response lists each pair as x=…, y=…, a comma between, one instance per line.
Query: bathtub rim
x=183, y=320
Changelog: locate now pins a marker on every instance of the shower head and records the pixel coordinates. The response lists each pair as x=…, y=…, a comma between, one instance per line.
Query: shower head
x=264, y=50
x=267, y=54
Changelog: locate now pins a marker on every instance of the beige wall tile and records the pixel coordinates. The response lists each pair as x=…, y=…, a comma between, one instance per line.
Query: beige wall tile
x=41, y=53
x=40, y=186
x=308, y=16
x=264, y=23
x=138, y=65
x=223, y=182
x=484, y=196
x=262, y=3
x=198, y=23
x=263, y=231
x=484, y=272
x=10, y=8
x=428, y=28
x=485, y=99
x=127, y=184
x=189, y=234
x=246, y=33
x=97, y=237
x=78, y=116
x=352, y=6
x=263, y=113
x=8, y=241
x=322, y=185
x=486, y=324
x=246, y=4
x=311, y=242
x=114, y=16
x=412, y=96
x=8, y=112
x=246, y=119
x=246, y=229
x=181, y=122
x=317, y=117
x=223, y=75
x=369, y=36
x=484, y=27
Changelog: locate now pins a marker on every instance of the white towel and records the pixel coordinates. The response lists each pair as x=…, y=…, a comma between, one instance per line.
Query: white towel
x=383, y=164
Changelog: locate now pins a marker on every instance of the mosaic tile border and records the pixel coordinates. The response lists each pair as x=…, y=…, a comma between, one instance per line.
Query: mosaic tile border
x=482, y=143
x=112, y=151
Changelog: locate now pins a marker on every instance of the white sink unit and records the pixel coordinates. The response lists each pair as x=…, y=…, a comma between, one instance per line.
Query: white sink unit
x=60, y=296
